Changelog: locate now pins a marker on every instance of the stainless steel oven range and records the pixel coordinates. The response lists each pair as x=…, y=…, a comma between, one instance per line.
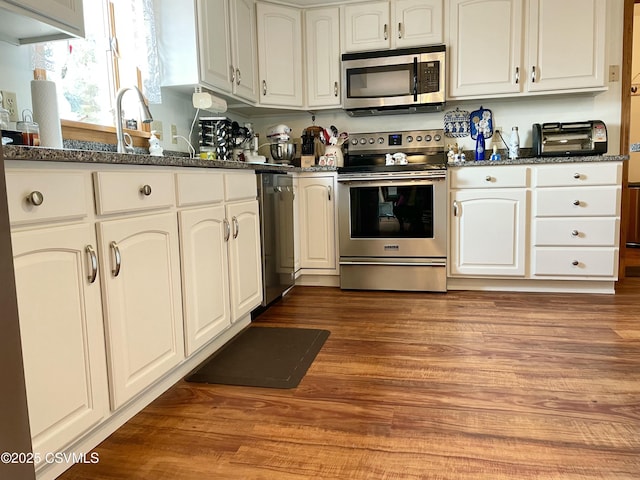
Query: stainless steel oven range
x=392, y=218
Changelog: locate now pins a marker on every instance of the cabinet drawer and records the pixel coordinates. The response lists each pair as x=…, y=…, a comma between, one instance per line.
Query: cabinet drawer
x=64, y=196
x=499, y=176
x=570, y=174
x=118, y=192
x=199, y=188
x=240, y=186
x=576, y=231
x=601, y=262
x=577, y=202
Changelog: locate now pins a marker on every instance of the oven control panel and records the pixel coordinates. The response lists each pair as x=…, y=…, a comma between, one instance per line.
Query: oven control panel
x=411, y=141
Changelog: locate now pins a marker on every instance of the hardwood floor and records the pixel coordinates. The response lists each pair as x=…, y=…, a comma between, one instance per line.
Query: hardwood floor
x=463, y=385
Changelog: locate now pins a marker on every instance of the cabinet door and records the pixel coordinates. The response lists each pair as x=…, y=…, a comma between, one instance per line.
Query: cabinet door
x=244, y=49
x=317, y=223
x=566, y=44
x=245, y=264
x=416, y=22
x=488, y=232
x=61, y=332
x=205, y=278
x=366, y=26
x=64, y=13
x=279, y=54
x=142, y=301
x=323, y=56
x=214, y=48
x=473, y=24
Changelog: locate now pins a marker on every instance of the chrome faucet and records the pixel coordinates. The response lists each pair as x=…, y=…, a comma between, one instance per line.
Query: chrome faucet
x=124, y=147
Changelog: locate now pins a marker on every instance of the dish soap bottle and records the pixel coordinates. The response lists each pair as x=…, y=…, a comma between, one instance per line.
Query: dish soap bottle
x=480, y=146
x=514, y=144
x=154, y=145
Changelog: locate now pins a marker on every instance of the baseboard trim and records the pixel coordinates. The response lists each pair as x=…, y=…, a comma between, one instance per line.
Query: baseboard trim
x=533, y=286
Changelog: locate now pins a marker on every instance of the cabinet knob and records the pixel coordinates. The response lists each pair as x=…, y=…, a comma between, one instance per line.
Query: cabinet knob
x=335, y=89
x=575, y=233
x=35, y=198
x=533, y=74
x=264, y=87
x=488, y=178
x=517, y=75
x=576, y=176
x=145, y=190
x=575, y=263
x=232, y=73
x=386, y=32
x=576, y=203
x=238, y=76
x=399, y=29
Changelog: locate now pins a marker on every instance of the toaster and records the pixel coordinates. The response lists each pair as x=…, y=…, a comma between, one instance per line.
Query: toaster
x=577, y=138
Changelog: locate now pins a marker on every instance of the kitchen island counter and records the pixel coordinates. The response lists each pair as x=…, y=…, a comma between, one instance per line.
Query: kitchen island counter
x=43, y=154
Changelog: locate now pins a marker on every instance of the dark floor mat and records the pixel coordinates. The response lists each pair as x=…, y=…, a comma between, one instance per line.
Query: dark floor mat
x=271, y=357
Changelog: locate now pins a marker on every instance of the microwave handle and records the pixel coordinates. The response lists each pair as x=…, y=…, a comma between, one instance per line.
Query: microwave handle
x=415, y=79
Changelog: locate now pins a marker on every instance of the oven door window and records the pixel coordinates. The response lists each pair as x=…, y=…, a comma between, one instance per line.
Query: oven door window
x=380, y=82
x=392, y=211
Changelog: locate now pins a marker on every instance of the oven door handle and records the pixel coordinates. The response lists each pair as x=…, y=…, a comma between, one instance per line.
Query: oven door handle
x=394, y=182
x=435, y=263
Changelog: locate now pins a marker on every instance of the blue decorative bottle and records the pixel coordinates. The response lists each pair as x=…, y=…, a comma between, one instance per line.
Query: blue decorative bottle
x=480, y=146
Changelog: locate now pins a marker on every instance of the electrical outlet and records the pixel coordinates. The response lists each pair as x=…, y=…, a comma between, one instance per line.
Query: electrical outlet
x=10, y=103
x=614, y=73
x=174, y=132
x=157, y=126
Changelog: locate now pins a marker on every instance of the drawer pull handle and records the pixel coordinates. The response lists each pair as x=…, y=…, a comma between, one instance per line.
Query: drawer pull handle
x=35, y=198
x=386, y=32
x=335, y=89
x=145, y=190
x=399, y=29
x=575, y=263
x=236, y=227
x=575, y=233
x=576, y=176
x=455, y=208
x=238, y=76
x=488, y=178
x=576, y=203
x=227, y=230
x=264, y=87
x=94, y=263
x=117, y=257
x=517, y=75
x=329, y=192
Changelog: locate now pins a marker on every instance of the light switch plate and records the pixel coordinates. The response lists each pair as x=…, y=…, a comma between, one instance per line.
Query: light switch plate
x=614, y=73
x=634, y=147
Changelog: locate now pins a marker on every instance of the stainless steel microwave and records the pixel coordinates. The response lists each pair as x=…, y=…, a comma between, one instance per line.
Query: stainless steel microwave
x=394, y=81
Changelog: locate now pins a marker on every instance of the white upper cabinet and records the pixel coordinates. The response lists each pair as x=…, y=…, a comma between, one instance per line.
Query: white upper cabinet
x=472, y=72
x=533, y=46
x=566, y=54
x=30, y=21
x=392, y=24
x=279, y=54
x=227, y=46
x=322, y=48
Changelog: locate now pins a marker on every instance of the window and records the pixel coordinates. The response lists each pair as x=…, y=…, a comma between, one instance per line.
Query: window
x=119, y=50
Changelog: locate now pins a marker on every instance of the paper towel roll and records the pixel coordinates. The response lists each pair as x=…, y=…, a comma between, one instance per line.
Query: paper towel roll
x=44, y=101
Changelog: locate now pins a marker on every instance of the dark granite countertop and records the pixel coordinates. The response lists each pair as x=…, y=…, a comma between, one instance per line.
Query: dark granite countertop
x=541, y=160
x=102, y=157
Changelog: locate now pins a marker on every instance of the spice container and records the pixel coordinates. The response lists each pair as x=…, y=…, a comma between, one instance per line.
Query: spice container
x=30, y=130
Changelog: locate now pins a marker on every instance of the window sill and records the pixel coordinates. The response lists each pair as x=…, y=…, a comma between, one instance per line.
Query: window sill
x=101, y=134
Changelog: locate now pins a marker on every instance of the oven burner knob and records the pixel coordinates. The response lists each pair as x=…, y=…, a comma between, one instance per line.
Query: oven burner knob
x=419, y=138
x=409, y=139
x=437, y=138
x=427, y=138
x=372, y=141
x=354, y=141
x=363, y=141
x=380, y=140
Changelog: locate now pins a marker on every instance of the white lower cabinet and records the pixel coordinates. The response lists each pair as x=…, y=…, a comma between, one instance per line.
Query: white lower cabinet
x=220, y=252
x=317, y=217
x=142, y=301
x=61, y=333
x=488, y=232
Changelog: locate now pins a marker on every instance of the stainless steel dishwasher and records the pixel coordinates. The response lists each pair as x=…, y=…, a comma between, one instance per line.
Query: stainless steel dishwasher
x=275, y=196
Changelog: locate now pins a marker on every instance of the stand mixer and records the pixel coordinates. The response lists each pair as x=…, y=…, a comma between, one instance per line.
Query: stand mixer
x=282, y=151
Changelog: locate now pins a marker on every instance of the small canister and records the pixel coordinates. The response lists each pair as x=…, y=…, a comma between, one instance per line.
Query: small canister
x=30, y=130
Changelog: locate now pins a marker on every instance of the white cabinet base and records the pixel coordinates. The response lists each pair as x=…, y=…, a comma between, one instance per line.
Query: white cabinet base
x=533, y=286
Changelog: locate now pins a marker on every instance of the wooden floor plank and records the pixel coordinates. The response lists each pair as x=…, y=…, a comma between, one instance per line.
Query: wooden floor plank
x=455, y=386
